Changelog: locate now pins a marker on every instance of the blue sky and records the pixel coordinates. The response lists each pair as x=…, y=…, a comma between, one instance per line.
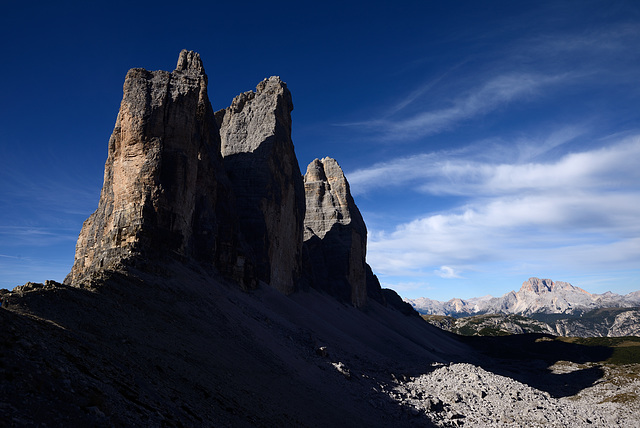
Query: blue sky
x=485, y=142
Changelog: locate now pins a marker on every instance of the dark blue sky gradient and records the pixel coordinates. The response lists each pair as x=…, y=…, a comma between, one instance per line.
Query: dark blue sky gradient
x=443, y=114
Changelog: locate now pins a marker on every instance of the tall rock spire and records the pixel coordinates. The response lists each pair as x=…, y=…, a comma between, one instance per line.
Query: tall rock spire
x=224, y=190
x=335, y=234
x=261, y=163
x=165, y=190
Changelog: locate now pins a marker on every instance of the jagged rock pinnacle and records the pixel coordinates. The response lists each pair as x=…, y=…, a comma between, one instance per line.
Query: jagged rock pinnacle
x=335, y=233
x=165, y=191
x=259, y=157
x=189, y=61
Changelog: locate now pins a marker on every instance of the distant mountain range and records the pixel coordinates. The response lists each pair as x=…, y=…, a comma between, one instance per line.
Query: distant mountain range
x=541, y=306
x=603, y=322
x=536, y=296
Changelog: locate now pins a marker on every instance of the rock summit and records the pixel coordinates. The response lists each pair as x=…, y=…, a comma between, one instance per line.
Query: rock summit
x=223, y=190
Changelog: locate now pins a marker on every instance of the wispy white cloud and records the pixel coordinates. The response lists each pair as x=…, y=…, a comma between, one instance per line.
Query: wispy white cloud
x=594, y=44
x=419, y=92
x=605, y=168
x=546, y=235
x=485, y=98
x=457, y=173
x=528, y=68
x=447, y=272
x=580, y=210
x=22, y=236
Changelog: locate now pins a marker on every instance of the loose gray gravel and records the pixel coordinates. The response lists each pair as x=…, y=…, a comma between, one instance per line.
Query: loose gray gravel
x=463, y=394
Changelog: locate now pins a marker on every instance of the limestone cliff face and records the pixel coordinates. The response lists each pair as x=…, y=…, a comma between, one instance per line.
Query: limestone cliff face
x=260, y=160
x=165, y=190
x=224, y=190
x=545, y=295
x=335, y=234
x=540, y=286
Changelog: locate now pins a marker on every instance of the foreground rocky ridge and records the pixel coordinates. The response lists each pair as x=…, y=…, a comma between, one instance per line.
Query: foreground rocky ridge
x=187, y=349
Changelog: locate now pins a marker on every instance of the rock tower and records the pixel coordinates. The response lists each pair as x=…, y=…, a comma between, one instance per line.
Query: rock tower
x=261, y=163
x=335, y=233
x=165, y=190
x=223, y=190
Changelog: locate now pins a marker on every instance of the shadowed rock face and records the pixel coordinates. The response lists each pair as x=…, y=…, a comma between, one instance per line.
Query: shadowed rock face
x=335, y=234
x=260, y=160
x=165, y=190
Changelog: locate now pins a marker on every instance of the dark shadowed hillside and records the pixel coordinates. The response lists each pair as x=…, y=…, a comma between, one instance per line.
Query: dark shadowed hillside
x=186, y=349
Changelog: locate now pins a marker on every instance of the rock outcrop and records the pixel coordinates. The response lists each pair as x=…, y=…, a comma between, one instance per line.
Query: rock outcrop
x=225, y=190
x=605, y=322
x=261, y=163
x=489, y=324
x=540, y=286
x=334, y=233
x=165, y=190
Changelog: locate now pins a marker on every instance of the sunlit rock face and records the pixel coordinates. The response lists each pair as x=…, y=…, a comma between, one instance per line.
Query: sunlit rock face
x=261, y=163
x=545, y=295
x=165, y=190
x=335, y=234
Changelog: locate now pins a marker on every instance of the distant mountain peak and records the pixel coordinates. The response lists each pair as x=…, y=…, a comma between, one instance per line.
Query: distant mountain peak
x=535, y=296
x=541, y=286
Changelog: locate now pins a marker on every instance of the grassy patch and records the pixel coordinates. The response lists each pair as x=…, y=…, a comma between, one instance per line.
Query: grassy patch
x=625, y=355
x=465, y=330
x=627, y=397
x=435, y=317
x=492, y=331
x=624, y=350
x=608, y=341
